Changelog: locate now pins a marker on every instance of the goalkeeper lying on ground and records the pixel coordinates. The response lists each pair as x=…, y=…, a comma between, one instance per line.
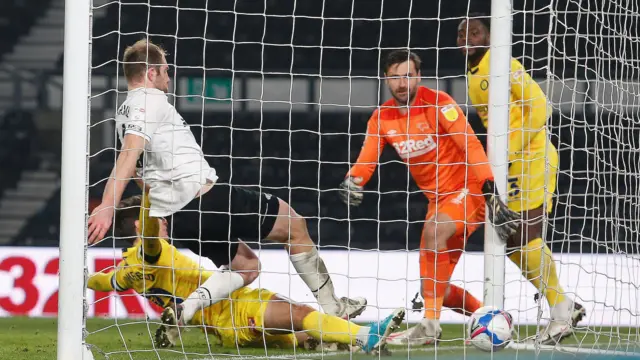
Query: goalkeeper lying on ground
x=157, y=270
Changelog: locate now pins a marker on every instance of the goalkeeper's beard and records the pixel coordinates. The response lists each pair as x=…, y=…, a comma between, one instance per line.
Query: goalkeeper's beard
x=409, y=101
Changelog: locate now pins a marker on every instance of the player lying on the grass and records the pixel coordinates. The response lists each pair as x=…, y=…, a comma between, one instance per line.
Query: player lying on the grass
x=207, y=215
x=531, y=181
x=447, y=161
x=252, y=316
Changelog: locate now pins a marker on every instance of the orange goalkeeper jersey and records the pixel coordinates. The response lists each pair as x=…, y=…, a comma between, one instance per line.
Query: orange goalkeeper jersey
x=433, y=138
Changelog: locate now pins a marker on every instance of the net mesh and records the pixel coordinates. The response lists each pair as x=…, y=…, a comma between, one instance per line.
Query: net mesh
x=278, y=95
x=591, y=76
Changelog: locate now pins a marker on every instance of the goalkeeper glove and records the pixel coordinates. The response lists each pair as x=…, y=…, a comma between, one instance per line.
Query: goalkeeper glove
x=351, y=191
x=505, y=220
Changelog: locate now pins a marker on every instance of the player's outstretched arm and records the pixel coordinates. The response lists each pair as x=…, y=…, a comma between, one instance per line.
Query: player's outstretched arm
x=100, y=281
x=109, y=281
x=124, y=170
x=351, y=187
x=452, y=119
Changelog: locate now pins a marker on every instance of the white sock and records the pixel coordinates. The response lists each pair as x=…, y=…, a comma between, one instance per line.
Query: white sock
x=313, y=272
x=431, y=327
x=217, y=287
x=563, y=310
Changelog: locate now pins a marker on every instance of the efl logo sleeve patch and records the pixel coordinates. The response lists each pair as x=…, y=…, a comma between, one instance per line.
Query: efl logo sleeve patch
x=450, y=112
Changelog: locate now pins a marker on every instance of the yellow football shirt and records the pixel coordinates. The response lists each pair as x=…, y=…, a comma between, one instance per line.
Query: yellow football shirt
x=173, y=276
x=169, y=276
x=529, y=109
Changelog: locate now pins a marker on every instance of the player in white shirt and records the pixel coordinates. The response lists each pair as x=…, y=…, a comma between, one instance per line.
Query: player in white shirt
x=207, y=217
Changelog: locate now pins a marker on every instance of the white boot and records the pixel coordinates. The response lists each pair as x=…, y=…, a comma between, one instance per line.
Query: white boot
x=564, y=317
x=350, y=308
x=427, y=332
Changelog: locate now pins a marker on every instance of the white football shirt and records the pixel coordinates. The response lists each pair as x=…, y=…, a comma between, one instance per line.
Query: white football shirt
x=172, y=163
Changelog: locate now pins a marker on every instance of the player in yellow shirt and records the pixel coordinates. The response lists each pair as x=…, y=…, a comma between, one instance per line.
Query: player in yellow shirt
x=533, y=164
x=160, y=272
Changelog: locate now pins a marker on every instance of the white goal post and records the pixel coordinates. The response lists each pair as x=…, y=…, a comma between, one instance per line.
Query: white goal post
x=497, y=143
x=73, y=204
x=606, y=278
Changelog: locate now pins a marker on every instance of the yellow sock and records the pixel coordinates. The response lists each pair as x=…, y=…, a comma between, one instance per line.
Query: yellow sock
x=330, y=328
x=517, y=259
x=150, y=228
x=544, y=278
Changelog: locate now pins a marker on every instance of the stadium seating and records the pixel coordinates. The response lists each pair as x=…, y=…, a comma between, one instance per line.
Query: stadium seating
x=17, y=134
x=255, y=37
x=16, y=17
x=43, y=229
x=328, y=37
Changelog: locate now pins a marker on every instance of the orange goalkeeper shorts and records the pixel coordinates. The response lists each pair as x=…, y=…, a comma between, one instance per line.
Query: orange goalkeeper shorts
x=467, y=209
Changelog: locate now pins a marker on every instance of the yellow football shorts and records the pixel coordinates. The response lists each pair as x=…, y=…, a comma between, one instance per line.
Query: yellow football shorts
x=240, y=321
x=532, y=180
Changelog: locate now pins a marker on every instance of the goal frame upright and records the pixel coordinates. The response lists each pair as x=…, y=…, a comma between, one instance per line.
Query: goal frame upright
x=73, y=199
x=498, y=143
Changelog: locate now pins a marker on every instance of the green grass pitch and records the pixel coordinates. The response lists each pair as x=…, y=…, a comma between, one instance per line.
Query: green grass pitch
x=35, y=338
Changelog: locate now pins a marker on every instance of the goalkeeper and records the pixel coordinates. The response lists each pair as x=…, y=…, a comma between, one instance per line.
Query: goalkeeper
x=206, y=216
x=533, y=163
x=158, y=271
x=431, y=134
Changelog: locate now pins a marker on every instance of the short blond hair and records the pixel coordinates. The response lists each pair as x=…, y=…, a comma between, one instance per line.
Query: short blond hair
x=139, y=56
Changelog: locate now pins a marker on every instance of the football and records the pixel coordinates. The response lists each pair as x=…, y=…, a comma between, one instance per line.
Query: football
x=490, y=328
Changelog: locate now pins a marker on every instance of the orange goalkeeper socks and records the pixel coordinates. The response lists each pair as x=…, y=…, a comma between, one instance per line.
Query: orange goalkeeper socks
x=435, y=273
x=461, y=301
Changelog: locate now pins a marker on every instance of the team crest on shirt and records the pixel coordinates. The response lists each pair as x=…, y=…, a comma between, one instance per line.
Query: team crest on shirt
x=450, y=112
x=423, y=127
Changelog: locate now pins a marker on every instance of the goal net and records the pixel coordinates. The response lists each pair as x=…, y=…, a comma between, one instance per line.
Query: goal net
x=278, y=94
x=585, y=49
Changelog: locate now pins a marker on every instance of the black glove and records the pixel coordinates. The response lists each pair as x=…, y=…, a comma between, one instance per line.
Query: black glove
x=351, y=191
x=504, y=220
